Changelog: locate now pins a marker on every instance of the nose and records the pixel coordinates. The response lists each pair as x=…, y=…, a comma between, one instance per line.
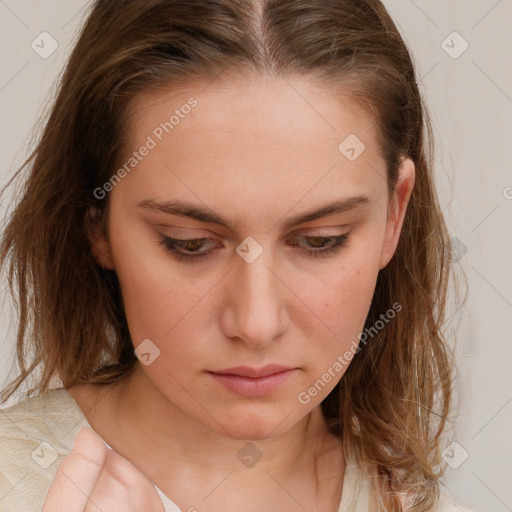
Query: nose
x=256, y=311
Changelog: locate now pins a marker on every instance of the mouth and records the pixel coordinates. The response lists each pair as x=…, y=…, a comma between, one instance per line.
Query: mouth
x=247, y=371
x=253, y=382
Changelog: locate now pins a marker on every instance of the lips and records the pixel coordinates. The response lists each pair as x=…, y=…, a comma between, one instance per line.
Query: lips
x=247, y=371
x=253, y=382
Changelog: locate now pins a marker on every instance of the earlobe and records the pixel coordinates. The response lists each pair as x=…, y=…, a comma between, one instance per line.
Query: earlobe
x=396, y=210
x=100, y=248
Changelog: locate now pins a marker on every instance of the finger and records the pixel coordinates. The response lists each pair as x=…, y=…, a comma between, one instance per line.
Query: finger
x=123, y=470
x=77, y=475
x=121, y=487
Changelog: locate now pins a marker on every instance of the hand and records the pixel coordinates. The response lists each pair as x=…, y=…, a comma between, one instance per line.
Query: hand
x=94, y=478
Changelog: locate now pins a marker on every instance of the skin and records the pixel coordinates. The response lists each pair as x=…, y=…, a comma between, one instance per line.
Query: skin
x=258, y=151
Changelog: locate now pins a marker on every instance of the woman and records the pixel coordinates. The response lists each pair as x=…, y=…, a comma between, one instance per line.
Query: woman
x=230, y=254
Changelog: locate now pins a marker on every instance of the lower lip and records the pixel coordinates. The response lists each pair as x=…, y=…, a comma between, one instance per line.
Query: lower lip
x=252, y=387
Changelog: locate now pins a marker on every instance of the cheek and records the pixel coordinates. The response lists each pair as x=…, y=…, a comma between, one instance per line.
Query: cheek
x=346, y=291
x=163, y=303
x=156, y=301
x=340, y=303
x=154, y=295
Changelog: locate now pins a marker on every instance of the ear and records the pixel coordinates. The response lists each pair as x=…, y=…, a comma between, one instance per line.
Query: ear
x=396, y=210
x=100, y=248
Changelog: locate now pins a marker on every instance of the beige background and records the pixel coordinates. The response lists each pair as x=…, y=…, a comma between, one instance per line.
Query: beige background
x=470, y=99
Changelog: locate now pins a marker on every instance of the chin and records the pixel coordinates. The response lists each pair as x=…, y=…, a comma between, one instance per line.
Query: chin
x=251, y=426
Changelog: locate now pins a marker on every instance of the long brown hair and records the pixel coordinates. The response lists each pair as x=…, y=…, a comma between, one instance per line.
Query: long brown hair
x=392, y=403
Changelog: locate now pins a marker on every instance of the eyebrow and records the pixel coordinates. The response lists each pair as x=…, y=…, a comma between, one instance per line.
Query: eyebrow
x=193, y=211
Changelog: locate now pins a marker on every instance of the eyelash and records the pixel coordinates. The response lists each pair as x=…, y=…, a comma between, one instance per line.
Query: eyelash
x=337, y=243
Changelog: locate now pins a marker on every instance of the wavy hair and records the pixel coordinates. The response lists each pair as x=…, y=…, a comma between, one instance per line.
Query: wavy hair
x=392, y=404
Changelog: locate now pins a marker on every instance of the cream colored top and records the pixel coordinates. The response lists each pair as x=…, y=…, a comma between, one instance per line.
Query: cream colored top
x=37, y=433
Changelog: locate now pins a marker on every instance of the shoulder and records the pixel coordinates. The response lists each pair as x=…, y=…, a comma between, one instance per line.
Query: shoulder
x=35, y=435
x=448, y=504
x=356, y=494
x=50, y=416
x=445, y=503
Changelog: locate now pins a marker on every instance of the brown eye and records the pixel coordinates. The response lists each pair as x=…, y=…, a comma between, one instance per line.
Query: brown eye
x=190, y=249
x=190, y=245
x=324, y=245
x=186, y=248
x=317, y=241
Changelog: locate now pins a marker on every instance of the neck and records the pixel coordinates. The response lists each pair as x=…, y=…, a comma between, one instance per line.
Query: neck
x=180, y=455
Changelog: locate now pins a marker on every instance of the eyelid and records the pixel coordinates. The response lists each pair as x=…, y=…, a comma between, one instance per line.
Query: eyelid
x=322, y=231
x=201, y=233
x=335, y=243
x=182, y=232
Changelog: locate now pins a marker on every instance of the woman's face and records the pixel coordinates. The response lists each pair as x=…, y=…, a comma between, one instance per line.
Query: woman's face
x=239, y=165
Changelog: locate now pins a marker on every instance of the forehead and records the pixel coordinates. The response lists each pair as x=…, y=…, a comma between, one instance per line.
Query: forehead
x=258, y=104
x=273, y=135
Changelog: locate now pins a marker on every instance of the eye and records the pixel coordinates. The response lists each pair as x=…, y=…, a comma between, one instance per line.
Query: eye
x=186, y=248
x=190, y=248
x=319, y=246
